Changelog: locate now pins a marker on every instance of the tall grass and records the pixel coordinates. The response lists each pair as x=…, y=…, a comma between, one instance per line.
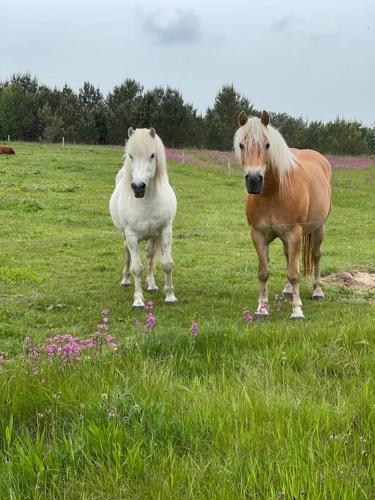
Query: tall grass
x=266, y=410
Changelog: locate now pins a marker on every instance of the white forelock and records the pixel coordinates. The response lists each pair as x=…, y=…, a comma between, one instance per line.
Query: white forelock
x=281, y=159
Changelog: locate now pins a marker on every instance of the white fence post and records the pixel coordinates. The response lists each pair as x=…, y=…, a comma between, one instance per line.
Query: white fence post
x=183, y=157
x=63, y=141
x=229, y=167
x=8, y=138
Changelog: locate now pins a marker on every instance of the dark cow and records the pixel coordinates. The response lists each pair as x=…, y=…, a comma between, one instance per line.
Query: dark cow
x=5, y=150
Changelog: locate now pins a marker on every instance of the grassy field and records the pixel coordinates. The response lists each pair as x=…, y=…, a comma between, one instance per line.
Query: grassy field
x=274, y=409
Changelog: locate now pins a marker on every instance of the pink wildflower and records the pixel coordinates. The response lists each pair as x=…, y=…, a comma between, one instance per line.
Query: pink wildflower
x=149, y=305
x=105, y=311
x=248, y=317
x=151, y=320
x=194, y=329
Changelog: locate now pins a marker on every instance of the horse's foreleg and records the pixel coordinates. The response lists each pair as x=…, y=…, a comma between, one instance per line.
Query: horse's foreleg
x=261, y=248
x=317, y=238
x=288, y=289
x=294, y=252
x=167, y=263
x=126, y=273
x=150, y=255
x=137, y=268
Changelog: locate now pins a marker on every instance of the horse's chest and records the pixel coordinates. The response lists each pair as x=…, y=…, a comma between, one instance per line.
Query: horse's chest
x=146, y=220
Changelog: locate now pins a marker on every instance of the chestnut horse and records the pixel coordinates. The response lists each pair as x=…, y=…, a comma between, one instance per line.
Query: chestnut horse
x=6, y=150
x=289, y=197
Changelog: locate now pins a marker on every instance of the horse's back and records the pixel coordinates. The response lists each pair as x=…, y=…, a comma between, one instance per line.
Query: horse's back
x=316, y=172
x=311, y=160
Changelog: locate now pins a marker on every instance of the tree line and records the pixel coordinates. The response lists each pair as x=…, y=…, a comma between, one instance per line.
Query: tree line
x=35, y=112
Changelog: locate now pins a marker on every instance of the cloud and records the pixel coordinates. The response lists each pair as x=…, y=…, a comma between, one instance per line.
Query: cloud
x=283, y=24
x=183, y=29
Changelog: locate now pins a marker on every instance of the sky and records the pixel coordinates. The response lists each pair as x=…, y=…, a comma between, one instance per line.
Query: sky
x=314, y=59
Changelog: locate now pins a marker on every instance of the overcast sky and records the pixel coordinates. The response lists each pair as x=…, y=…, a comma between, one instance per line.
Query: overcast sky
x=314, y=59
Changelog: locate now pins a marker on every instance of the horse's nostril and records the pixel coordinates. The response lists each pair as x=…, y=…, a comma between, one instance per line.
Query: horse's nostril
x=138, y=187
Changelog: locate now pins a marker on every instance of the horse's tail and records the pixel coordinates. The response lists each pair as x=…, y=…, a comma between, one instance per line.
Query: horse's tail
x=307, y=259
x=153, y=249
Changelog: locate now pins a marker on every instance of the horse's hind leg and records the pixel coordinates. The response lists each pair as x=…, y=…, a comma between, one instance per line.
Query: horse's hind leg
x=288, y=289
x=317, y=238
x=126, y=273
x=150, y=255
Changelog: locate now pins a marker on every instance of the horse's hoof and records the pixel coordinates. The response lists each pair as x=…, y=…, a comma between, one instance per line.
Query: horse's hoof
x=138, y=307
x=318, y=298
x=287, y=296
x=262, y=317
x=297, y=318
x=170, y=302
x=125, y=285
x=152, y=290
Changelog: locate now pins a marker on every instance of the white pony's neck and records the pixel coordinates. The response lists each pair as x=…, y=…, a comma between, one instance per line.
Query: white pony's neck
x=281, y=159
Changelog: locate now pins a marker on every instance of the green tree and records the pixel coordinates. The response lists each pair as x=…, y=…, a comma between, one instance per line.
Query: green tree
x=93, y=126
x=292, y=129
x=18, y=110
x=70, y=111
x=122, y=105
x=221, y=121
x=52, y=124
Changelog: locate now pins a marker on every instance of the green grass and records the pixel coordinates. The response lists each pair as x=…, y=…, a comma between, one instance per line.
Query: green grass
x=272, y=410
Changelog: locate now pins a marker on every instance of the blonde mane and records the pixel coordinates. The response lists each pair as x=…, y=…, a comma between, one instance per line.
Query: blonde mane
x=143, y=144
x=281, y=159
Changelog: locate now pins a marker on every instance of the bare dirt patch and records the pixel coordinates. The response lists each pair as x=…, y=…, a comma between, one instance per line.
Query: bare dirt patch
x=354, y=280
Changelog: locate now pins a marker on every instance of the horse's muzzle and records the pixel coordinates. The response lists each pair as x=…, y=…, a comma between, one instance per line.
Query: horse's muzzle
x=138, y=189
x=254, y=183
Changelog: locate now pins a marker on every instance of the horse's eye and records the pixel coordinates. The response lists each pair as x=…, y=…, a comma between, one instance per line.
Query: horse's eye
x=242, y=146
x=152, y=156
x=267, y=146
x=130, y=156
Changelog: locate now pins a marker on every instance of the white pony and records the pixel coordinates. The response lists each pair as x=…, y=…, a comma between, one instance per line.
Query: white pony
x=143, y=206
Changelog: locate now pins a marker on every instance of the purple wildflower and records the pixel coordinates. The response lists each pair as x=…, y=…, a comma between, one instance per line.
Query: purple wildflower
x=151, y=320
x=149, y=305
x=247, y=317
x=194, y=329
x=105, y=311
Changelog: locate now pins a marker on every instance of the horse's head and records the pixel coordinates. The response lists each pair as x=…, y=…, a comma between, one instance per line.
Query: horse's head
x=141, y=151
x=252, y=145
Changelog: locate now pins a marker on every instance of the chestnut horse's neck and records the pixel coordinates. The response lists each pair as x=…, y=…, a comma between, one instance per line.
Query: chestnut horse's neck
x=272, y=184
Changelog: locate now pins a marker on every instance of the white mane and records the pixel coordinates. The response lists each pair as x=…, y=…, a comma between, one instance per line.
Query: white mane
x=143, y=144
x=281, y=159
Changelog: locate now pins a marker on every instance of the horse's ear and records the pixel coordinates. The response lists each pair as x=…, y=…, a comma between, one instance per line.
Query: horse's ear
x=152, y=132
x=265, y=118
x=130, y=131
x=242, y=118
